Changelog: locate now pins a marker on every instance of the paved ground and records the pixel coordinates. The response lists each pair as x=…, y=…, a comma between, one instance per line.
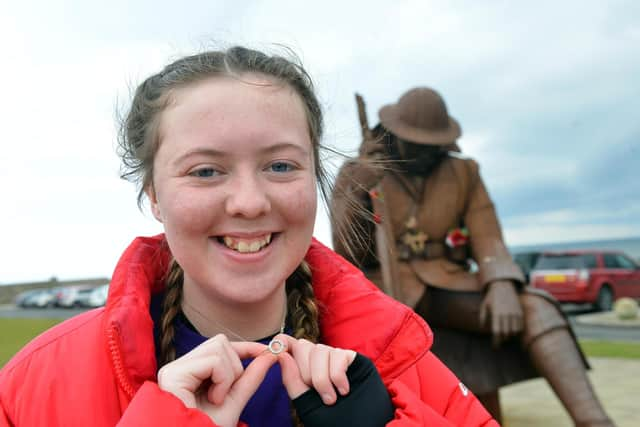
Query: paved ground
x=616, y=381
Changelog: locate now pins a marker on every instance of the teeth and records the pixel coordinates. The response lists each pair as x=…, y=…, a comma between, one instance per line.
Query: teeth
x=244, y=246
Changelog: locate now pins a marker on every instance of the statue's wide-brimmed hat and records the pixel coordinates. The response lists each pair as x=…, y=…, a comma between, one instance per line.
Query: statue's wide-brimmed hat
x=421, y=116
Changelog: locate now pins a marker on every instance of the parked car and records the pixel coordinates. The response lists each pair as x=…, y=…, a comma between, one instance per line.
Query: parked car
x=21, y=299
x=73, y=296
x=595, y=277
x=39, y=298
x=97, y=297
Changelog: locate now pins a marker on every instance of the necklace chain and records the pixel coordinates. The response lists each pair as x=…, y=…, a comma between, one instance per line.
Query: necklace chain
x=229, y=331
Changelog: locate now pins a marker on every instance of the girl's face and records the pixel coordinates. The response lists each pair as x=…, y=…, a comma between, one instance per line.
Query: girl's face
x=234, y=186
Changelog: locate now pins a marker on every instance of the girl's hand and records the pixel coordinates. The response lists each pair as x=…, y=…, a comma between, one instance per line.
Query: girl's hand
x=305, y=365
x=212, y=379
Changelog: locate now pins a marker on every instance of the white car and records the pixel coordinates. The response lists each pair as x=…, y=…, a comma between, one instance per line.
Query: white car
x=73, y=296
x=41, y=298
x=97, y=297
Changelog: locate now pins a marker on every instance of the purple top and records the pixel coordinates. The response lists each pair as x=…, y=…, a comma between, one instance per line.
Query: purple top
x=270, y=405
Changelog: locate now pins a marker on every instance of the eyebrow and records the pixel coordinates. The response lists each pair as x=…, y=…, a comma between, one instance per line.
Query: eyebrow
x=217, y=153
x=199, y=152
x=284, y=146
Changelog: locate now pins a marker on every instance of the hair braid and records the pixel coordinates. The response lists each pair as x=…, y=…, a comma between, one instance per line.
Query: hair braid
x=170, y=309
x=303, y=312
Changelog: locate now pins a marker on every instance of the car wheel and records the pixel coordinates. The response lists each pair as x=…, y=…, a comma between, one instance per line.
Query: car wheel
x=605, y=299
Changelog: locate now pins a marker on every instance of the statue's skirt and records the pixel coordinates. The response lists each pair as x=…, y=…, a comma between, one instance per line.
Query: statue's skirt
x=466, y=347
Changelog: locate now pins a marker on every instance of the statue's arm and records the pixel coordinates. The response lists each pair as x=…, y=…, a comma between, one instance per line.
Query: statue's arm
x=487, y=245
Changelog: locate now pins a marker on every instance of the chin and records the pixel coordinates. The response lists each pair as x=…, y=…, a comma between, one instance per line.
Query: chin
x=250, y=289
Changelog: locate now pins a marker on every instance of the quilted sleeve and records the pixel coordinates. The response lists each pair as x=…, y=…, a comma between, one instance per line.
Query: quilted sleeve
x=156, y=408
x=4, y=420
x=430, y=394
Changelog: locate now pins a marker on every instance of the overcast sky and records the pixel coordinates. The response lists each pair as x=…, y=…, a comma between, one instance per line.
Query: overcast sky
x=547, y=93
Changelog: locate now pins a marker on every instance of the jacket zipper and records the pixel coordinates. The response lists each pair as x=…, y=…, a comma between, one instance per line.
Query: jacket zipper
x=113, y=336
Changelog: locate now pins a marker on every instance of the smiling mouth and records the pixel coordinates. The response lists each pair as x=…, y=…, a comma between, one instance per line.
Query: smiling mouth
x=246, y=245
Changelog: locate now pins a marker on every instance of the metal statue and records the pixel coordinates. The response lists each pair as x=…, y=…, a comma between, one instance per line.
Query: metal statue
x=420, y=223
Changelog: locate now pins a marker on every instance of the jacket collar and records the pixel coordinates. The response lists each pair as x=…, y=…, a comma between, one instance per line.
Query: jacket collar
x=356, y=314
x=353, y=313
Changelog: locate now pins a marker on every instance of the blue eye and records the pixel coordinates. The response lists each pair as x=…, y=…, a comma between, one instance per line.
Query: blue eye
x=204, y=172
x=281, y=167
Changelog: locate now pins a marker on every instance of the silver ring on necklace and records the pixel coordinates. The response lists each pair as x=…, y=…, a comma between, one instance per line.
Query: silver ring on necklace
x=276, y=346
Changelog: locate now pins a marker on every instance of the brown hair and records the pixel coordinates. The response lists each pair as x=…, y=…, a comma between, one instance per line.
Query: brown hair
x=138, y=143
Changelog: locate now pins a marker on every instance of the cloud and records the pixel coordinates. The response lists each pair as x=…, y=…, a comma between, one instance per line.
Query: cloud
x=546, y=93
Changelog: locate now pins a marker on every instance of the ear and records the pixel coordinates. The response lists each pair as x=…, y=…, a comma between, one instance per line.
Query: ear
x=153, y=202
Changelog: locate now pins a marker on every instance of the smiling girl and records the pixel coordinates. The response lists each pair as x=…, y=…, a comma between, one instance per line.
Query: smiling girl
x=235, y=315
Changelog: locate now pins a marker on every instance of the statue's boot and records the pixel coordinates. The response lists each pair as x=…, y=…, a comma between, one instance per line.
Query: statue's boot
x=556, y=357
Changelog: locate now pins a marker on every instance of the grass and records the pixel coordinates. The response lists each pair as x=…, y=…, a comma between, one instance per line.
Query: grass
x=624, y=350
x=16, y=333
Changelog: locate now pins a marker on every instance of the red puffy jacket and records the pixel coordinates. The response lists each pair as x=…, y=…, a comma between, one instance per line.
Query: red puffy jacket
x=99, y=368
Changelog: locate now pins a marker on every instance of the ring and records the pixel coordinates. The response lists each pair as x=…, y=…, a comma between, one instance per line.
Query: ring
x=276, y=346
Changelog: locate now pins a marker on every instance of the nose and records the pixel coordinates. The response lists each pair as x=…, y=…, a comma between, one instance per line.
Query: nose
x=247, y=197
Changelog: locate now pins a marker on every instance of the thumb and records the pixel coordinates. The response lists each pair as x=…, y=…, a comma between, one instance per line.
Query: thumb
x=484, y=311
x=247, y=384
x=291, y=377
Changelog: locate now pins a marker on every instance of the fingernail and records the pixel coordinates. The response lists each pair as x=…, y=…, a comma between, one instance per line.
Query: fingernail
x=327, y=398
x=343, y=391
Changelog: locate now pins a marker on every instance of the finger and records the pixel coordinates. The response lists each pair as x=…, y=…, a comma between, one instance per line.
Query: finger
x=291, y=377
x=508, y=326
x=514, y=324
x=231, y=368
x=218, y=342
x=234, y=359
x=483, y=314
x=495, y=329
x=245, y=387
x=504, y=327
x=248, y=349
x=519, y=323
x=184, y=375
x=222, y=378
x=319, y=366
x=339, y=362
x=300, y=349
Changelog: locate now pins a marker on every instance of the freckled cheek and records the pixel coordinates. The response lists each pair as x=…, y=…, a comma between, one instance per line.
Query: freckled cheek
x=193, y=213
x=299, y=205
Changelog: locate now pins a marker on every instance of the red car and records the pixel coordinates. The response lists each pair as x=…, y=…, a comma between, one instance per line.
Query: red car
x=596, y=277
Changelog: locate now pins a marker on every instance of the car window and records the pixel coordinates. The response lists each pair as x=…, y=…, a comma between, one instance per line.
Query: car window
x=589, y=261
x=526, y=259
x=610, y=261
x=560, y=262
x=625, y=262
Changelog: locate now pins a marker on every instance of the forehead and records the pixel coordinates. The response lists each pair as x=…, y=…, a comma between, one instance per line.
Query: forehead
x=225, y=111
x=246, y=92
x=221, y=96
